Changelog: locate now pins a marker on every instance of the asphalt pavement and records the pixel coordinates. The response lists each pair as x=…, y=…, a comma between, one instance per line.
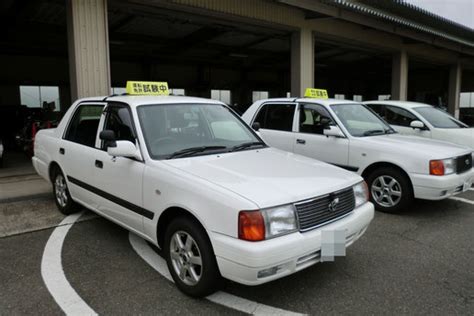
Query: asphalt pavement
x=418, y=262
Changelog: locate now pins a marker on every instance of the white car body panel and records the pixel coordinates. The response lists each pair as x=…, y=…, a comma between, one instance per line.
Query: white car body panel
x=213, y=188
x=411, y=154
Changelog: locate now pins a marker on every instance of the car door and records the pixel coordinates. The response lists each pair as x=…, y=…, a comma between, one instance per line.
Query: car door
x=310, y=139
x=120, y=179
x=276, y=124
x=77, y=151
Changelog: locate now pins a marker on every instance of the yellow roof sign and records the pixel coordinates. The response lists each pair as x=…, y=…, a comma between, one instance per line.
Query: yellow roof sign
x=147, y=88
x=316, y=93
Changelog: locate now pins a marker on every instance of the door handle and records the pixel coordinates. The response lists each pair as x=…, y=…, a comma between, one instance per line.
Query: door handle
x=300, y=141
x=99, y=164
x=61, y=151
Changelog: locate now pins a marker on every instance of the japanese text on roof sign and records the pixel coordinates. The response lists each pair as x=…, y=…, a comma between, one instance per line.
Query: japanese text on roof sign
x=316, y=93
x=147, y=88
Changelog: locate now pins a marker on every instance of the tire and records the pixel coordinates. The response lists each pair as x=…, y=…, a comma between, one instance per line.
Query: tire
x=390, y=190
x=62, y=198
x=195, y=280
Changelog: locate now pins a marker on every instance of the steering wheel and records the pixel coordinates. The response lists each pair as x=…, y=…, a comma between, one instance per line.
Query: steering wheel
x=162, y=139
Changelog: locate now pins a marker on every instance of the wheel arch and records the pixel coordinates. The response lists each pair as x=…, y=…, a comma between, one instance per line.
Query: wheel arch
x=383, y=164
x=168, y=215
x=52, y=167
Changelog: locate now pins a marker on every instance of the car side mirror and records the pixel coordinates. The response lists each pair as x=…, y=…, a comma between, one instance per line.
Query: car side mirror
x=325, y=122
x=334, y=131
x=417, y=124
x=124, y=148
x=108, y=136
x=256, y=126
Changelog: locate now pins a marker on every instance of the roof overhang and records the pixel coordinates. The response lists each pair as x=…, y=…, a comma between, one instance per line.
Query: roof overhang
x=397, y=17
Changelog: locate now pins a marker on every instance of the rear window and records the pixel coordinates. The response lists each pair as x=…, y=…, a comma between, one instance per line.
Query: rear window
x=276, y=117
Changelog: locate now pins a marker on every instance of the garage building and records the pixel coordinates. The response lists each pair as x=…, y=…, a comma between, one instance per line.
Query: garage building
x=54, y=51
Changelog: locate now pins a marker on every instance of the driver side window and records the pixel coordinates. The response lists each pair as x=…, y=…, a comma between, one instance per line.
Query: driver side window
x=397, y=116
x=119, y=121
x=313, y=119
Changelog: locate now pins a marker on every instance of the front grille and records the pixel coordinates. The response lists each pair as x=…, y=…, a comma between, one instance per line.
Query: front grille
x=463, y=163
x=315, y=212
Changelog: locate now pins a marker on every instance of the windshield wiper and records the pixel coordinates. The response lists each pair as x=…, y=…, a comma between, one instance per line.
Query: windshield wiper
x=247, y=145
x=193, y=150
x=374, y=132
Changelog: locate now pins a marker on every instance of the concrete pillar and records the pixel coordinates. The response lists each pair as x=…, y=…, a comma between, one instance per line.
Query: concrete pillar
x=400, y=76
x=302, y=61
x=454, y=89
x=88, y=41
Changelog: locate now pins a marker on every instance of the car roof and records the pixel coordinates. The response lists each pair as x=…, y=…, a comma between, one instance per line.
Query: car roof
x=404, y=104
x=311, y=100
x=136, y=100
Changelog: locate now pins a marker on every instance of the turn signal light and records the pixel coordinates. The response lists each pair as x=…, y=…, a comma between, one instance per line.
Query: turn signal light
x=251, y=226
x=437, y=167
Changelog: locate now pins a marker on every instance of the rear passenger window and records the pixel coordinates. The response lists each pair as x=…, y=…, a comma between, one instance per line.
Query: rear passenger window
x=276, y=116
x=83, y=127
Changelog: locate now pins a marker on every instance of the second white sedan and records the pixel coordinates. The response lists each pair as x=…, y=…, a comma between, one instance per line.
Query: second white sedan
x=348, y=134
x=419, y=119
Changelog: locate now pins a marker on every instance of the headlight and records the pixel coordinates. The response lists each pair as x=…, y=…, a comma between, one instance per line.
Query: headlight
x=361, y=193
x=279, y=220
x=443, y=167
x=268, y=223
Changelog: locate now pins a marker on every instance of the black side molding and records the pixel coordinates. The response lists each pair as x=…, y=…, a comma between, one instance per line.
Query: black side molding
x=130, y=206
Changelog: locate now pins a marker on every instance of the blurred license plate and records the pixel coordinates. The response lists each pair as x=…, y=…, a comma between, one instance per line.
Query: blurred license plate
x=333, y=244
x=467, y=185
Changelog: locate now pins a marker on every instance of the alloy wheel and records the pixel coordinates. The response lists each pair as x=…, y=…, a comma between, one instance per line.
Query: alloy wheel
x=60, y=190
x=386, y=191
x=186, y=258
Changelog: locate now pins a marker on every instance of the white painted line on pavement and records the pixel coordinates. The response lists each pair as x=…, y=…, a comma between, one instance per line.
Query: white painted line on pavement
x=53, y=274
x=455, y=198
x=225, y=299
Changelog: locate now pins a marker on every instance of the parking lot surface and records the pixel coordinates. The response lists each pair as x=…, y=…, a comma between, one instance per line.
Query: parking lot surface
x=418, y=262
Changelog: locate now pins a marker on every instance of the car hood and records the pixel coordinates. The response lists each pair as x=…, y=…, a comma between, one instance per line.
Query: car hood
x=412, y=144
x=461, y=136
x=268, y=177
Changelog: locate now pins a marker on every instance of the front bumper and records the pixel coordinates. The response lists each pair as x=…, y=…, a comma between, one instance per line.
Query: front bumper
x=240, y=261
x=430, y=187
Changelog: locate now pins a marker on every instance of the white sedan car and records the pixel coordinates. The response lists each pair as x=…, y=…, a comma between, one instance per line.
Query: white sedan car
x=419, y=119
x=188, y=175
x=348, y=134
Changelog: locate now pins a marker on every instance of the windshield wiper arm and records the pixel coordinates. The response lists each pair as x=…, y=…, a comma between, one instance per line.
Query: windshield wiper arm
x=193, y=150
x=373, y=132
x=247, y=145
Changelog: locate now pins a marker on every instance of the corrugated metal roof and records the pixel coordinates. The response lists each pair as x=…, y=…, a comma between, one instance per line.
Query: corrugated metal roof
x=408, y=15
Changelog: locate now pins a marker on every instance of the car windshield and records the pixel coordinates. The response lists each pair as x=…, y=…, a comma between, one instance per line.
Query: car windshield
x=360, y=121
x=438, y=118
x=179, y=130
